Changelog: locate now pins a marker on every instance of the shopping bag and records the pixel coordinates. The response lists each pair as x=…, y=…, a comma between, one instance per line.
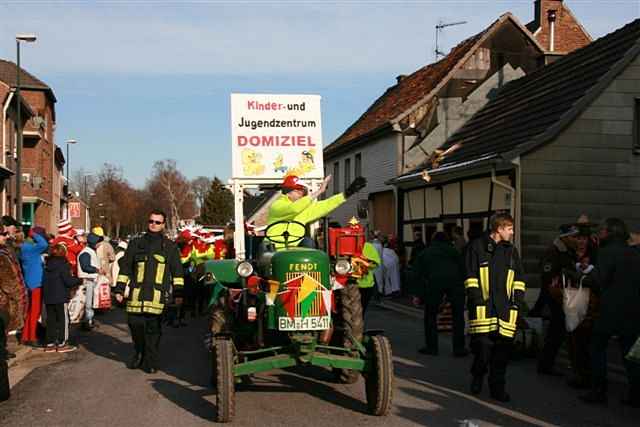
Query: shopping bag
x=102, y=293
x=575, y=304
x=634, y=354
x=76, y=304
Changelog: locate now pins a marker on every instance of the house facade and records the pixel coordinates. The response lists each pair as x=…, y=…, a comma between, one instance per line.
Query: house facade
x=551, y=146
x=414, y=117
x=8, y=138
x=41, y=170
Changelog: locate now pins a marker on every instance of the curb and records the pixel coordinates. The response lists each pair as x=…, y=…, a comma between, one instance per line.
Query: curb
x=21, y=353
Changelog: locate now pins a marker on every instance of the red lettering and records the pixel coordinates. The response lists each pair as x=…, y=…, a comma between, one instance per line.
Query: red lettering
x=251, y=105
x=310, y=143
x=242, y=141
x=255, y=141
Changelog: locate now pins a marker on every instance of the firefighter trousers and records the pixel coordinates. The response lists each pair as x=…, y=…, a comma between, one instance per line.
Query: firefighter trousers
x=145, y=333
x=491, y=354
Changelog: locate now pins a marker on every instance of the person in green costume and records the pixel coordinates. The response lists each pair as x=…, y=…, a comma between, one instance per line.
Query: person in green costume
x=367, y=281
x=296, y=204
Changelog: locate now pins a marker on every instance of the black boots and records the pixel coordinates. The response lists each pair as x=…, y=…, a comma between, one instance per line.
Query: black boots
x=496, y=392
x=135, y=362
x=149, y=369
x=500, y=396
x=5, y=392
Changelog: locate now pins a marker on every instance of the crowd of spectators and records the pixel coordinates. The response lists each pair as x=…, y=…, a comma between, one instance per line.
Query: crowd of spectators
x=602, y=260
x=40, y=274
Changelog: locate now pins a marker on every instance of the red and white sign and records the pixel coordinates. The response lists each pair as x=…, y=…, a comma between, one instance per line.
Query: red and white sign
x=75, y=209
x=276, y=135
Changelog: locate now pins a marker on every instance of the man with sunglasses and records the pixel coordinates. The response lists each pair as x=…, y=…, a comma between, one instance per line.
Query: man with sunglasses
x=150, y=273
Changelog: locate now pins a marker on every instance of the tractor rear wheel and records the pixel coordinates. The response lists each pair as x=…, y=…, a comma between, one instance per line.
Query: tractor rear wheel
x=225, y=381
x=352, y=324
x=379, y=380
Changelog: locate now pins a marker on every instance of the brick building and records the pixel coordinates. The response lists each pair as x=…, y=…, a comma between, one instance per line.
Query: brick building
x=8, y=143
x=42, y=188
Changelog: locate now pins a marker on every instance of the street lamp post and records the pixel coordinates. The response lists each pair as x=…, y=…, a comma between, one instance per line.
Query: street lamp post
x=27, y=38
x=68, y=142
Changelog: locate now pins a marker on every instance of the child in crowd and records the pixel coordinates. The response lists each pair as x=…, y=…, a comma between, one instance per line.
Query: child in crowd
x=56, y=285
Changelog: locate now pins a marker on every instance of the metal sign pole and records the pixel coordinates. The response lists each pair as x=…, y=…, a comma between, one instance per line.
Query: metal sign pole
x=239, y=232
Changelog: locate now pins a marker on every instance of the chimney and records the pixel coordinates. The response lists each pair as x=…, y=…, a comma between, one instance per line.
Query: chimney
x=551, y=16
x=400, y=78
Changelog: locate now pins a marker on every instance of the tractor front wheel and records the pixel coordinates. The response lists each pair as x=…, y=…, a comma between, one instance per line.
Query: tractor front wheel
x=225, y=380
x=350, y=308
x=379, y=379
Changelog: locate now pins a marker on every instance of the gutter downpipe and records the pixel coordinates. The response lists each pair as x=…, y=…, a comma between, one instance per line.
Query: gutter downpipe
x=512, y=207
x=5, y=108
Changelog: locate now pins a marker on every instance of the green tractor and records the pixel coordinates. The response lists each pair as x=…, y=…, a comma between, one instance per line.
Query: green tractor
x=293, y=307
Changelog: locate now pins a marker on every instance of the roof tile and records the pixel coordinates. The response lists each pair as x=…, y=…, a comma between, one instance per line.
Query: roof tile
x=411, y=89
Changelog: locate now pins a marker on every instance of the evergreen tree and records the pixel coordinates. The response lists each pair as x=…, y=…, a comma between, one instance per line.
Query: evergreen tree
x=217, y=208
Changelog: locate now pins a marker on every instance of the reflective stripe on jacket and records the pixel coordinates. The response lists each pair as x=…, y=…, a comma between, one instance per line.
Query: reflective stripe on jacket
x=151, y=268
x=495, y=287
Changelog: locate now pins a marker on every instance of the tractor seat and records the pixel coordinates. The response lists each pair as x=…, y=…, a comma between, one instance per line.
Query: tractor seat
x=266, y=250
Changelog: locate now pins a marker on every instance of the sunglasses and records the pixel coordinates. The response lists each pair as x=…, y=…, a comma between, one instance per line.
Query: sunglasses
x=156, y=222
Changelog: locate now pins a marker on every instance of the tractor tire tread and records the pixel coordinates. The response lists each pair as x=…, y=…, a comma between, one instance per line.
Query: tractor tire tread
x=225, y=381
x=379, y=383
x=353, y=323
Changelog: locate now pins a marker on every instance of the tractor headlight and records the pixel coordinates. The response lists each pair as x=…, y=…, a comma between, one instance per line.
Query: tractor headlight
x=244, y=269
x=343, y=267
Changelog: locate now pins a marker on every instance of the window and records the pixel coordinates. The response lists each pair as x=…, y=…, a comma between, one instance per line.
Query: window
x=347, y=173
x=636, y=127
x=336, y=177
x=358, y=165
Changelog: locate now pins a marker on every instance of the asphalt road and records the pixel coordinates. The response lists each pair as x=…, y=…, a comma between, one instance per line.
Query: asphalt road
x=92, y=387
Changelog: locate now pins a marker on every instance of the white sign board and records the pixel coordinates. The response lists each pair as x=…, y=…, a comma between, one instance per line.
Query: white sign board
x=276, y=135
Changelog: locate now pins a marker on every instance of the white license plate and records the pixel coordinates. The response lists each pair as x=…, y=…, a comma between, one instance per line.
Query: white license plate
x=304, y=323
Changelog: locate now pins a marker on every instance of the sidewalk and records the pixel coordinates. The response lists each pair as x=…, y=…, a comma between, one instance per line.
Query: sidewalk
x=27, y=359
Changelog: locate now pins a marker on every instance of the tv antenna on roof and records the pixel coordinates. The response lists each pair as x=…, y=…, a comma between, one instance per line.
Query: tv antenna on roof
x=439, y=27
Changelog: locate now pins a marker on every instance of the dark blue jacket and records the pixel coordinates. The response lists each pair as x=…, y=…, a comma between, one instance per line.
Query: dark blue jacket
x=58, y=281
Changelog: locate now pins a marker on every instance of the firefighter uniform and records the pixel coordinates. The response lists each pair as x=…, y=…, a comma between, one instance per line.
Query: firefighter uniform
x=495, y=289
x=151, y=273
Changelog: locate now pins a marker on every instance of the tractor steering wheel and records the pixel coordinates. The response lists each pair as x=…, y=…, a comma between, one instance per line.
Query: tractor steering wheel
x=281, y=236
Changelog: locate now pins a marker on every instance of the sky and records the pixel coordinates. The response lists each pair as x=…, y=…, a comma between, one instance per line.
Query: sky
x=139, y=81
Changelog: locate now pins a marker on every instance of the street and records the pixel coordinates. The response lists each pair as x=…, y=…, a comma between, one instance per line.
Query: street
x=93, y=387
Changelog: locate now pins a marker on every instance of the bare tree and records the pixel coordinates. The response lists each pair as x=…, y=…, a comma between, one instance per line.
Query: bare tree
x=116, y=204
x=83, y=182
x=200, y=186
x=172, y=191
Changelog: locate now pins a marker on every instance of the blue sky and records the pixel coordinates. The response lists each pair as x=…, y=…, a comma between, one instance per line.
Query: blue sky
x=139, y=81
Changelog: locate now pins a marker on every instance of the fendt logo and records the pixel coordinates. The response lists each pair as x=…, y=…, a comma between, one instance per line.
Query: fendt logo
x=310, y=266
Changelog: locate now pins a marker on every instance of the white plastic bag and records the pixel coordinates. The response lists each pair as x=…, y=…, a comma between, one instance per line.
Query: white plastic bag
x=77, y=303
x=575, y=304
